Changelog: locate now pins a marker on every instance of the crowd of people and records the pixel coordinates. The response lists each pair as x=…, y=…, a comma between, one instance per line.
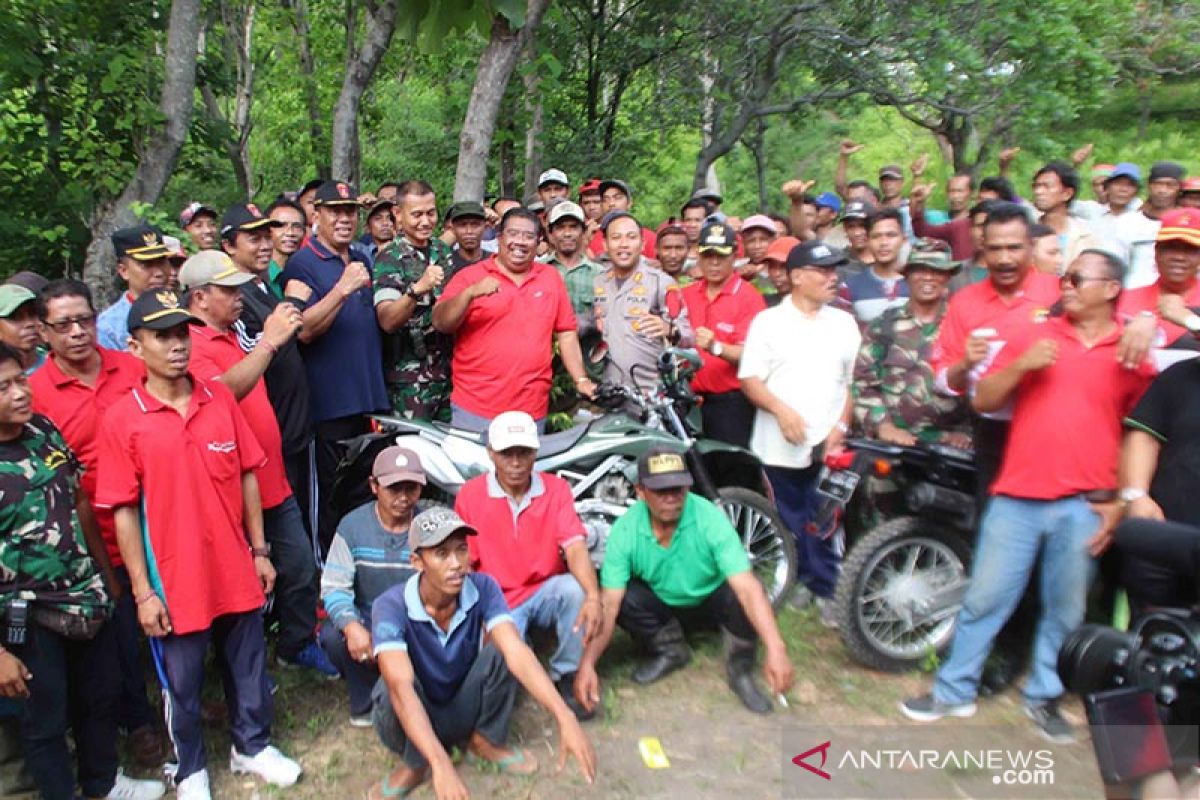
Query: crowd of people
x=166, y=462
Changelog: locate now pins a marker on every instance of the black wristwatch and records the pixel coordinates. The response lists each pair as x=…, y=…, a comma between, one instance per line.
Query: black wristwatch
x=412, y=292
x=261, y=552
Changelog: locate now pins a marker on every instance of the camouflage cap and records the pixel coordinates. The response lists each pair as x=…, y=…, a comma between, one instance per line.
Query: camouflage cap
x=931, y=254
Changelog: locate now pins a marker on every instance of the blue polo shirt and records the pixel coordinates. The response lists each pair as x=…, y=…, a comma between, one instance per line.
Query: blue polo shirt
x=345, y=364
x=112, y=325
x=440, y=659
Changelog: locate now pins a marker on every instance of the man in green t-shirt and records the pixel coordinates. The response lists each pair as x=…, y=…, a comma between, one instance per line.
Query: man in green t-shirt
x=674, y=559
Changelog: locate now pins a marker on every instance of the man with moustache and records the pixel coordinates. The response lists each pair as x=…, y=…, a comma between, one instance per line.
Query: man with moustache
x=143, y=263
x=505, y=312
x=672, y=251
x=286, y=238
x=565, y=225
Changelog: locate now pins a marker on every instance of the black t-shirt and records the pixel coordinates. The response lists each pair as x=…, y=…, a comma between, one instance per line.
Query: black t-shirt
x=1170, y=411
x=458, y=261
x=287, y=381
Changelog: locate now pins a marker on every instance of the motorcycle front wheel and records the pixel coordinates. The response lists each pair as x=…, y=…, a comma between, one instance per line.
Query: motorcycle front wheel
x=768, y=543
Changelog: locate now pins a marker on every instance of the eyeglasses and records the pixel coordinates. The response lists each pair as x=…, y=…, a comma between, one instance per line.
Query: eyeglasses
x=1076, y=279
x=519, y=236
x=823, y=270
x=67, y=325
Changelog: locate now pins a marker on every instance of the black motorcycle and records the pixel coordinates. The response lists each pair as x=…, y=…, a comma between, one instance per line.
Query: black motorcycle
x=907, y=547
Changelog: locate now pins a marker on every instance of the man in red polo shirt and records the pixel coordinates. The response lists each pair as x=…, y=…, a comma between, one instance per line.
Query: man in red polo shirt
x=1053, y=503
x=73, y=388
x=213, y=283
x=720, y=309
x=177, y=462
x=534, y=544
x=505, y=312
x=1170, y=298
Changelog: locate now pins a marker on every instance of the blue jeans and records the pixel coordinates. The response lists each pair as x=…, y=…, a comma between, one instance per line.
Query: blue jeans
x=555, y=605
x=465, y=420
x=796, y=499
x=1012, y=536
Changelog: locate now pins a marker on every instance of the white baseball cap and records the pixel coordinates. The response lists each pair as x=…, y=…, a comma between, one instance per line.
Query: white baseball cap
x=553, y=176
x=512, y=429
x=565, y=208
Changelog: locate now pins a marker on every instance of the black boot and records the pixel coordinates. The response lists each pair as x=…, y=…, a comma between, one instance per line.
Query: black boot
x=668, y=652
x=739, y=668
x=566, y=688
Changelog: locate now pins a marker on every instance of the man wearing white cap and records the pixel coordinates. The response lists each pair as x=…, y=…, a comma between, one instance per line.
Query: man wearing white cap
x=757, y=233
x=565, y=223
x=553, y=185
x=533, y=543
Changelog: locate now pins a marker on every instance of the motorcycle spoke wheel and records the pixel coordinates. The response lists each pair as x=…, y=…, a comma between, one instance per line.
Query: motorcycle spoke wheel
x=769, y=545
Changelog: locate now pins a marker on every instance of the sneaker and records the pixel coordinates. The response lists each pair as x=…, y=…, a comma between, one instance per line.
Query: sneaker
x=827, y=612
x=127, y=788
x=361, y=720
x=194, y=787
x=311, y=657
x=926, y=709
x=1052, y=724
x=269, y=764
x=802, y=597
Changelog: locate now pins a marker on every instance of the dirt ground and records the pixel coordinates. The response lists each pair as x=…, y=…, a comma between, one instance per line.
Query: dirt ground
x=715, y=747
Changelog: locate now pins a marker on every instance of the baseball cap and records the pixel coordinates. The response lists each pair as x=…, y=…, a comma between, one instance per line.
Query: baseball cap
x=1102, y=170
x=779, y=249
x=512, y=429
x=611, y=216
x=315, y=183
x=537, y=206
x=335, y=193
x=1180, y=225
x=141, y=242
x=1166, y=169
x=395, y=464
x=857, y=209
x=379, y=205
x=30, y=280
x=609, y=183
x=829, y=200
x=932, y=254
x=707, y=194
x=1190, y=185
x=13, y=297
x=589, y=187
x=662, y=468
x=565, y=209
x=246, y=217
x=758, y=221
x=433, y=526
x=177, y=253
x=158, y=310
x=211, y=268
x=465, y=209
x=553, y=176
x=717, y=237
x=891, y=171
x=814, y=253
x=1125, y=170
x=193, y=210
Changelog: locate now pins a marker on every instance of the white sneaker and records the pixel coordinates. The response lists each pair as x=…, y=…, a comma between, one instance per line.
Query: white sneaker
x=269, y=764
x=126, y=788
x=194, y=787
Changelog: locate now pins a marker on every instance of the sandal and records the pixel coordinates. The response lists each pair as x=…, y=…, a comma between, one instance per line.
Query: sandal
x=521, y=762
x=382, y=790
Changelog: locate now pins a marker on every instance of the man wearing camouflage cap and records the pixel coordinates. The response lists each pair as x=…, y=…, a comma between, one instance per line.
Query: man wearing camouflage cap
x=19, y=326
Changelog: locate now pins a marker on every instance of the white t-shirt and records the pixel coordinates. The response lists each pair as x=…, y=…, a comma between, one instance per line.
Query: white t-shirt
x=1132, y=237
x=807, y=362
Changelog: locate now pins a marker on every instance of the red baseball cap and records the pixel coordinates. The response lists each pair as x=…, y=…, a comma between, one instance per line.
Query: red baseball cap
x=1190, y=185
x=1180, y=225
x=779, y=249
x=589, y=187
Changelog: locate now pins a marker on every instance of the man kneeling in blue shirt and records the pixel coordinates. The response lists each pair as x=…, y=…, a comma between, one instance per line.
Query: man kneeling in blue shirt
x=441, y=685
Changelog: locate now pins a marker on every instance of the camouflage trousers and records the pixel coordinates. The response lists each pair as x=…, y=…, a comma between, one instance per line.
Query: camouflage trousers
x=419, y=392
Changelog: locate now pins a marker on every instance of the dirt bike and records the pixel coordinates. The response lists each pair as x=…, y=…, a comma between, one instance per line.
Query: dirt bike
x=598, y=458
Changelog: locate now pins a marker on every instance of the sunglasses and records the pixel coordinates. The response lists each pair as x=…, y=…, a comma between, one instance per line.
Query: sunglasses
x=66, y=325
x=1076, y=280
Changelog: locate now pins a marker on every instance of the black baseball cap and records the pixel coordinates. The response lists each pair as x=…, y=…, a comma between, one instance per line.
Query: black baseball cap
x=857, y=209
x=465, y=209
x=815, y=253
x=663, y=468
x=380, y=205
x=612, y=216
x=246, y=217
x=1167, y=169
x=335, y=193
x=717, y=237
x=158, y=310
x=315, y=183
x=142, y=242
x=609, y=183
x=707, y=194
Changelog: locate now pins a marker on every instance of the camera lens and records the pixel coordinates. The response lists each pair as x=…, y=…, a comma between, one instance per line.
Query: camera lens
x=1092, y=657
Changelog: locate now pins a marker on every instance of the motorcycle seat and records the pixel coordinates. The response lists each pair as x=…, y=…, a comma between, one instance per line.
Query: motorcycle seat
x=462, y=433
x=554, y=443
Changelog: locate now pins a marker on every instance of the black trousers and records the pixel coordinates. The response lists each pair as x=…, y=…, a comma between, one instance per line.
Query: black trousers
x=728, y=417
x=302, y=476
x=296, y=581
x=643, y=613
x=329, y=436
x=1159, y=563
x=135, y=707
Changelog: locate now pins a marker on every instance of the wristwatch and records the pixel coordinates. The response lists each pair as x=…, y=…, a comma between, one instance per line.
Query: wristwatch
x=1131, y=493
x=716, y=349
x=411, y=291
x=262, y=552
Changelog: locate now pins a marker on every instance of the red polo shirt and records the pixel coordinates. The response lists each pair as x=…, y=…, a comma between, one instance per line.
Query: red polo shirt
x=520, y=547
x=77, y=409
x=1066, y=426
x=980, y=306
x=186, y=472
x=1134, y=301
x=213, y=354
x=503, y=348
x=728, y=316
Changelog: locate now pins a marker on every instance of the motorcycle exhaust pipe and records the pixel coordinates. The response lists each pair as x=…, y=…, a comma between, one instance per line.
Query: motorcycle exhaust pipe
x=929, y=497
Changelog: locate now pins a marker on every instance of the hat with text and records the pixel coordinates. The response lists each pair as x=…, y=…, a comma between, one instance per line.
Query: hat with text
x=335, y=193
x=931, y=254
x=433, y=526
x=815, y=253
x=779, y=249
x=662, y=468
x=717, y=237
x=193, y=210
x=465, y=209
x=760, y=221
x=395, y=464
x=211, y=268
x=553, y=176
x=246, y=217
x=1180, y=225
x=1125, y=170
x=158, y=310
x=141, y=242
x=13, y=297
x=857, y=209
x=893, y=171
x=565, y=209
x=512, y=429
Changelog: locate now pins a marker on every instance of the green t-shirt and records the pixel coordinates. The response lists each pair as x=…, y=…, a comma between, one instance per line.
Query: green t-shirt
x=704, y=551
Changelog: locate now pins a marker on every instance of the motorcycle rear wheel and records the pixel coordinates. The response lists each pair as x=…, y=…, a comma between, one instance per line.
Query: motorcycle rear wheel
x=769, y=544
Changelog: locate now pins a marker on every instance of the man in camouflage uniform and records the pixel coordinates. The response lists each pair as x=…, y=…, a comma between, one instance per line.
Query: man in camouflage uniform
x=409, y=275
x=55, y=605
x=894, y=395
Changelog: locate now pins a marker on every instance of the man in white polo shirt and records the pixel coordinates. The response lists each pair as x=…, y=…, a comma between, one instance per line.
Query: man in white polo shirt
x=796, y=368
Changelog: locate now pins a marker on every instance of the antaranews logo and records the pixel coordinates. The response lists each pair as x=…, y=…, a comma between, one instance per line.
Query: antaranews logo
x=823, y=749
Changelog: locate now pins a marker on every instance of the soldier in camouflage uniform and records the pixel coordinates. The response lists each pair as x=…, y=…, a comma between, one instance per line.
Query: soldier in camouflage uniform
x=409, y=276
x=54, y=606
x=894, y=395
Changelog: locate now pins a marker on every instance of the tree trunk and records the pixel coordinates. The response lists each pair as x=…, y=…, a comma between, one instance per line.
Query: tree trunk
x=361, y=63
x=1145, y=99
x=495, y=68
x=508, y=161
x=533, y=133
x=161, y=152
x=312, y=103
x=757, y=146
x=239, y=50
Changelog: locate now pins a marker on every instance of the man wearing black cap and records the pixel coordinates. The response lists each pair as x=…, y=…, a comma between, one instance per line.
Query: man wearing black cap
x=177, y=462
x=467, y=220
x=381, y=227
x=796, y=367
x=307, y=198
x=142, y=262
x=673, y=560
x=199, y=222
x=443, y=685
x=617, y=196
x=340, y=339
